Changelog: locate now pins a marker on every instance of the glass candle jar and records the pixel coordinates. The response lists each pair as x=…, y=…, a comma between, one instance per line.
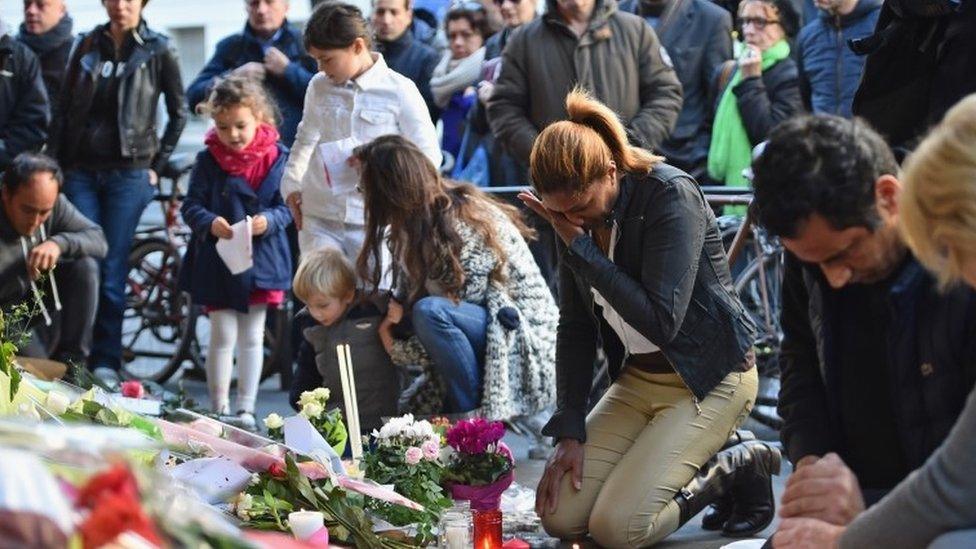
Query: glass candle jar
x=488, y=529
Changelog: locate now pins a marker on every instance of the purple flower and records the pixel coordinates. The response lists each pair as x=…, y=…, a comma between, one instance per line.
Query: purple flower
x=413, y=455
x=475, y=436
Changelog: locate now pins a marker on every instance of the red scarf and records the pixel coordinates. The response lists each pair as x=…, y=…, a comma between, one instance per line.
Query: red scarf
x=254, y=162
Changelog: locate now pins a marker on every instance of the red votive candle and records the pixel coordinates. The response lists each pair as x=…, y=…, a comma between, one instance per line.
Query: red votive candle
x=488, y=529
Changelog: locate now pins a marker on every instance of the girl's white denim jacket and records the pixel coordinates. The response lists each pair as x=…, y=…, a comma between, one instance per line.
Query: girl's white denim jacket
x=378, y=102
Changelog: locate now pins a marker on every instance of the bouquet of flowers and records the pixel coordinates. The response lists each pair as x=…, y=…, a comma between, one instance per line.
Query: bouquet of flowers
x=407, y=455
x=480, y=466
x=313, y=407
x=271, y=495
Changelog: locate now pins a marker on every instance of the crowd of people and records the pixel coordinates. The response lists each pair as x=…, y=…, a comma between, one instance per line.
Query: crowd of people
x=355, y=152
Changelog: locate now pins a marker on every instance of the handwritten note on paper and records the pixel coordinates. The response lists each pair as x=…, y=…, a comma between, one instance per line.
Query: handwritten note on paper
x=236, y=251
x=339, y=175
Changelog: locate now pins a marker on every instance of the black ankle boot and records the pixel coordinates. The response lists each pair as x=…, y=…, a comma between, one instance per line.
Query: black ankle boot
x=748, y=460
x=754, y=506
x=717, y=514
x=720, y=511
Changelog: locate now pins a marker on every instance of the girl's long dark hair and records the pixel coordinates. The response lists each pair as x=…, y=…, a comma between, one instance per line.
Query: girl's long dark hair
x=403, y=190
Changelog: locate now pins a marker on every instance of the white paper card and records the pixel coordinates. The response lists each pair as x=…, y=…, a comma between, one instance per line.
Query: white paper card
x=214, y=479
x=356, y=211
x=236, y=251
x=339, y=175
x=300, y=435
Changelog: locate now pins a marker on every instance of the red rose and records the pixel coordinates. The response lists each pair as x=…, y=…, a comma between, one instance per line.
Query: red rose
x=277, y=470
x=133, y=389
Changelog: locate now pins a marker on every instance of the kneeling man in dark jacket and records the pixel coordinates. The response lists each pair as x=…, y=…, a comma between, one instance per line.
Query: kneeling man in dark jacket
x=876, y=360
x=48, y=254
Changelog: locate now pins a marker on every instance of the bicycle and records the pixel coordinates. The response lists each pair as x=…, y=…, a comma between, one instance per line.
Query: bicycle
x=163, y=331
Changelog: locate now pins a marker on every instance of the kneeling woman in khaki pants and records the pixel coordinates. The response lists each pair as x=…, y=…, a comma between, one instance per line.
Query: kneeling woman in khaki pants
x=644, y=276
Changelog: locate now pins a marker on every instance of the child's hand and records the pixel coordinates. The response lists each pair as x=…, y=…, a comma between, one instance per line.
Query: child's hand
x=394, y=312
x=294, y=202
x=259, y=225
x=221, y=228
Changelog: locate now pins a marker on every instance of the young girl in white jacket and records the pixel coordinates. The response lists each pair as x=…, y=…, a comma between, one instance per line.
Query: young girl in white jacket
x=354, y=99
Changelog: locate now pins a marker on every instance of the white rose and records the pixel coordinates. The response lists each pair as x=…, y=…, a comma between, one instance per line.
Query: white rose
x=322, y=393
x=306, y=398
x=57, y=402
x=312, y=410
x=273, y=421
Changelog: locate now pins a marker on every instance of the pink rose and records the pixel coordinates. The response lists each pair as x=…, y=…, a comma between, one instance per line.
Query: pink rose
x=413, y=455
x=132, y=389
x=431, y=449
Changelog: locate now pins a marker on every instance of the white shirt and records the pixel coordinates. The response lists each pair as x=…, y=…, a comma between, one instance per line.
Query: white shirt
x=634, y=342
x=378, y=102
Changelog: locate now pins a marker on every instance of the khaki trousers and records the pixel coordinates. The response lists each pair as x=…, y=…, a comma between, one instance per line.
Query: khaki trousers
x=646, y=439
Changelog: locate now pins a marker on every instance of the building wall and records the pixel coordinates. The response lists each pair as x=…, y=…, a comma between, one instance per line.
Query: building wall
x=194, y=25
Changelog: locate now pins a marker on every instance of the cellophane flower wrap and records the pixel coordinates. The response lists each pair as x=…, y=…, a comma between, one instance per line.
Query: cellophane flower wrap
x=481, y=466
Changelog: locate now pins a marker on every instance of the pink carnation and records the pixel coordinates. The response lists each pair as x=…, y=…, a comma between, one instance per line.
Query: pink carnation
x=132, y=389
x=413, y=455
x=431, y=449
x=475, y=436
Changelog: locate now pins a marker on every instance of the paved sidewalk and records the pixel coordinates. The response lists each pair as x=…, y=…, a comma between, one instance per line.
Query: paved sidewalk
x=691, y=536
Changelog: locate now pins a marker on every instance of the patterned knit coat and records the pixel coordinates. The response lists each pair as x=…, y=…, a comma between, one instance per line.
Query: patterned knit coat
x=519, y=376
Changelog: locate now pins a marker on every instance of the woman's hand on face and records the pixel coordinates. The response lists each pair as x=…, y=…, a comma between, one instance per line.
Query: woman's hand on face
x=566, y=229
x=568, y=458
x=751, y=66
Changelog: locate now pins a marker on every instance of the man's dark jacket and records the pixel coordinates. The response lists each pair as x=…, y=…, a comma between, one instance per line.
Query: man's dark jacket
x=288, y=90
x=669, y=280
x=151, y=70
x=618, y=59
x=698, y=39
x=74, y=234
x=24, y=113
x=415, y=60
x=931, y=359
x=52, y=49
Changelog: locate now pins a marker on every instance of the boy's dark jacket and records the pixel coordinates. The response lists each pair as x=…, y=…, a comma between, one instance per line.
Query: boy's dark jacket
x=377, y=385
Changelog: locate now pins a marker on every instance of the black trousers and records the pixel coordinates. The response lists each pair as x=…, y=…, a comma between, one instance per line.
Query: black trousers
x=69, y=337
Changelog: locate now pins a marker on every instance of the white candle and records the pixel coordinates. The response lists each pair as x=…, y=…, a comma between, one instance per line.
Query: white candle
x=304, y=524
x=457, y=537
x=357, y=433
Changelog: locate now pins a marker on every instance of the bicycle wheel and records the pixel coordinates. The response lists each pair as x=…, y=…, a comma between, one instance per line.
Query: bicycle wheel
x=759, y=287
x=155, y=314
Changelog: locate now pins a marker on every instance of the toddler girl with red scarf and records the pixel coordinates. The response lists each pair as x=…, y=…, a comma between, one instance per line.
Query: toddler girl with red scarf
x=236, y=177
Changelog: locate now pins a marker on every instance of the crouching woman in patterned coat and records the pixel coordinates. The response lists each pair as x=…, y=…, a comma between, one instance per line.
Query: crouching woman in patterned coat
x=462, y=271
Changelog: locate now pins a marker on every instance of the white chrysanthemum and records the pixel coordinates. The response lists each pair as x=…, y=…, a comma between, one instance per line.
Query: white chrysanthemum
x=322, y=394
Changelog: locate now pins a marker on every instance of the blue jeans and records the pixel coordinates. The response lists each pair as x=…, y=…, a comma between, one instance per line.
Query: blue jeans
x=115, y=199
x=454, y=337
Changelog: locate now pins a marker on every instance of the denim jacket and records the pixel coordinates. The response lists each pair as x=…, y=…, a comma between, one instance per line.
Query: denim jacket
x=670, y=281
